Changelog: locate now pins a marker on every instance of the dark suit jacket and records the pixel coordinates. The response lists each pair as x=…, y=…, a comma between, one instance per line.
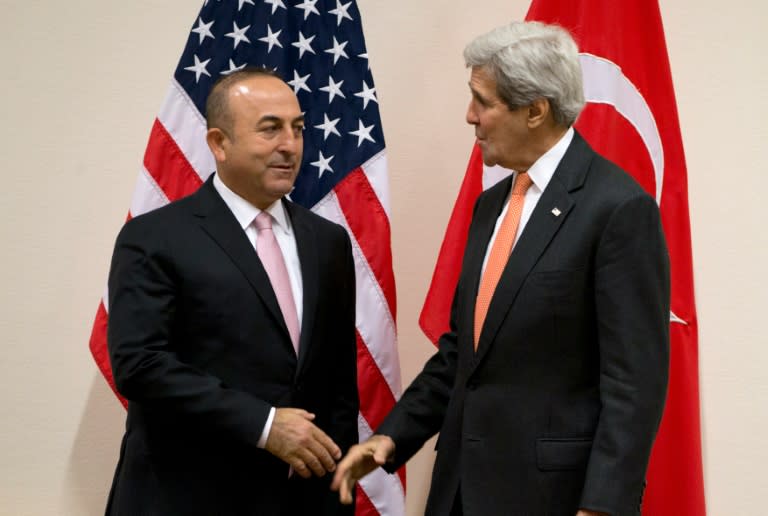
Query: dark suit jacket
x=559, y=406
x=200, y=349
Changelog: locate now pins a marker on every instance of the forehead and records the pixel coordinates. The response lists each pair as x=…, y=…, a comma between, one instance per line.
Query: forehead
x=482, y=82
x=263, y=96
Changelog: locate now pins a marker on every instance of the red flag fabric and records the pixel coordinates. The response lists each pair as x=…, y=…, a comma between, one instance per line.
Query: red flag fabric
x=631, y=119
x=320, y=51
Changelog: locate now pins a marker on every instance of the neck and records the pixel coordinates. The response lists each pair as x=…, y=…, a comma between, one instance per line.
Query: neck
x=257, y=199
x=542, y=139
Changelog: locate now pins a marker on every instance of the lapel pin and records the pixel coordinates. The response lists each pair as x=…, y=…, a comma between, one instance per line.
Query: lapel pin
x=556, y=212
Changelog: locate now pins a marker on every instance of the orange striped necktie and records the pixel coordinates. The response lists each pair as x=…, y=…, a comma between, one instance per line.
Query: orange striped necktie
x=500, y=251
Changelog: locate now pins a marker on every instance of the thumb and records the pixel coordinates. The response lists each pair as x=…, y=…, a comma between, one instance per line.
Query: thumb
x=381, y=454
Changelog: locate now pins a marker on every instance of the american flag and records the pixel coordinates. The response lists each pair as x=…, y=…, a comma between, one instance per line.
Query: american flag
x=317, y=46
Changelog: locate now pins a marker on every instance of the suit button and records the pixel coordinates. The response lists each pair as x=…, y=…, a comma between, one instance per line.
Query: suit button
x=471, y=386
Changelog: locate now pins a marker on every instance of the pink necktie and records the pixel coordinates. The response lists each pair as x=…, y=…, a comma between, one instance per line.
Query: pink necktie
x=502, y=246
x=272, y=259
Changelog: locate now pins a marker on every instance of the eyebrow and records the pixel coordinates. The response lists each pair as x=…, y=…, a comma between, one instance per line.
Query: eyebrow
x=275, y=118
x=477, y=94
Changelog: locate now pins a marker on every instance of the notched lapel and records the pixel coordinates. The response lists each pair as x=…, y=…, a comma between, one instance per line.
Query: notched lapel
x=483, y=223
x=538, y=233
x=549, y=215
x=220, y=224
x=477, y=244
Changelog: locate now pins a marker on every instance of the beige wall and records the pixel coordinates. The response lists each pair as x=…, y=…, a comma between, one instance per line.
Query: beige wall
x=81, y=83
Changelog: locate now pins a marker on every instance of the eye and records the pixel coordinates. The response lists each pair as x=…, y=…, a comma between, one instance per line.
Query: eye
x=269, y=130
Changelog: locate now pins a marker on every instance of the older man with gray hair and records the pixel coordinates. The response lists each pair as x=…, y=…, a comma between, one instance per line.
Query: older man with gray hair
x=549, y=387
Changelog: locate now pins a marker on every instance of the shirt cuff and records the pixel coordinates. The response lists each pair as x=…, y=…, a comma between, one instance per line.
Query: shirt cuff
x=267, y=427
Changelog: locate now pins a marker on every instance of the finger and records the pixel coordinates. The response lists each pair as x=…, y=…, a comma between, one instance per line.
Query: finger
x=318, y=468
x=322, y=456
x=336, y=480
x=312, y=462
x=346, y=464
x=301, y=413
x=345, y=494
x=301, y=469
x=327, y=443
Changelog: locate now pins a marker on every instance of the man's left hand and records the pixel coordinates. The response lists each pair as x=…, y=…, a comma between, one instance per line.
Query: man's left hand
x=584, y=512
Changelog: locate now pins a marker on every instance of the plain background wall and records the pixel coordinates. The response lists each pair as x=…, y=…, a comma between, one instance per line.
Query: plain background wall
x=81, y=82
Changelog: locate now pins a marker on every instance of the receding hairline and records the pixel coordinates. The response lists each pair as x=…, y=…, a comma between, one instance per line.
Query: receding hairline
x=217, y=112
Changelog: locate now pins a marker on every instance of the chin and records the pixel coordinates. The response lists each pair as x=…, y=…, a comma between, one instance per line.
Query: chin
x=282, y=190
x=488, y=159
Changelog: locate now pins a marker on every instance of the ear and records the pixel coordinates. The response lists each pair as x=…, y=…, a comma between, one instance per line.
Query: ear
x=216, y=139
x=538, y=112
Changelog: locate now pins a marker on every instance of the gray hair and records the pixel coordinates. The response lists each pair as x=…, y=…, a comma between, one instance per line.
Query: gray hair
x=531, y=60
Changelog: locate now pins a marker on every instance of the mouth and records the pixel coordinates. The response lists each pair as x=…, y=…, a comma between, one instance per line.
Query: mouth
x=283, y=167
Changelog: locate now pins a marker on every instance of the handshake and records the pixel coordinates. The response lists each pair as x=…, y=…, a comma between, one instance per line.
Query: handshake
x=295, y=439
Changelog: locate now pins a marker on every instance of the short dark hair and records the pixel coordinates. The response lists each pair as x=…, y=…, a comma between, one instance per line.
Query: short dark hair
x=217, y=112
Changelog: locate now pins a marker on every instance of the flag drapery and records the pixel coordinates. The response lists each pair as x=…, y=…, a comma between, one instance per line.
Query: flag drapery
x=630, y=118
x=317, y=46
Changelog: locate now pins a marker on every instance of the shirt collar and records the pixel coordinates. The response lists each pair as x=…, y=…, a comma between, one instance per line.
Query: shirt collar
x=245, y=212
x=543, y=169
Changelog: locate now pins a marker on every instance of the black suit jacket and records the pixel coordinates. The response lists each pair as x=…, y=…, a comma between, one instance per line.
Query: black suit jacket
x=559, y=406
x=200, y=349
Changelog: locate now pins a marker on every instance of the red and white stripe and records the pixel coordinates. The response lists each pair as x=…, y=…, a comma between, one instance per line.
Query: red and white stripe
x=177, y=161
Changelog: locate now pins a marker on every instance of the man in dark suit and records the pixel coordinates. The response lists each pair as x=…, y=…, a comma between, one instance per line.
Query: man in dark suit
x=239, y=367
x=549, y=387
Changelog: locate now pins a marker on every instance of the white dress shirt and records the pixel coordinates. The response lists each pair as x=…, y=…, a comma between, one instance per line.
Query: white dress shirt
x=246, y=213
x=541, y=173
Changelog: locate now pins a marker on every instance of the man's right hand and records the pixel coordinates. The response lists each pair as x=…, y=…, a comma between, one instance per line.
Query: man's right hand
x=295, y=439
x=360, y=460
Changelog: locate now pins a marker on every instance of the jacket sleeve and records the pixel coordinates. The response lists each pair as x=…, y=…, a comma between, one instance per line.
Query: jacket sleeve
x=143, y=297
x=420, y=412
x=632, y=292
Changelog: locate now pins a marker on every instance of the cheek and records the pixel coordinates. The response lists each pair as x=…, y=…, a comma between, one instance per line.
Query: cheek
x=262, y=151
x=488, y=122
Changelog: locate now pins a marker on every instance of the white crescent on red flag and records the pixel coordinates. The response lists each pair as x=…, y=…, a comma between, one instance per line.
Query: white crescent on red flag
x=631, y=119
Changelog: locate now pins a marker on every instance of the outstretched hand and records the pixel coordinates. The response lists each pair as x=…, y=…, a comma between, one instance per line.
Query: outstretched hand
x=295, y=439
x=359, y=461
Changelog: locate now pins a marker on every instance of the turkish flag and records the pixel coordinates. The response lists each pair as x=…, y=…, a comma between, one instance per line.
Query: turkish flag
x=631, y=119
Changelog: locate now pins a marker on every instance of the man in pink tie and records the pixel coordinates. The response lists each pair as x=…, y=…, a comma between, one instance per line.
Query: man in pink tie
x=232, y=329
x=548, y=389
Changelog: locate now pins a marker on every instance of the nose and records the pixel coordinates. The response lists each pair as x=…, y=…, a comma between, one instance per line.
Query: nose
x=471, y=117
x=291, y=140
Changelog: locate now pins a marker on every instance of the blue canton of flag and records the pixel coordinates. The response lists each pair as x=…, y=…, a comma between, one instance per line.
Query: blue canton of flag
x=317, y=47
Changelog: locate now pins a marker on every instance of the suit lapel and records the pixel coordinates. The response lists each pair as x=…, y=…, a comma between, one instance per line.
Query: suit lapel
x=307, y=249
x=551, y=211
x=221, y=225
